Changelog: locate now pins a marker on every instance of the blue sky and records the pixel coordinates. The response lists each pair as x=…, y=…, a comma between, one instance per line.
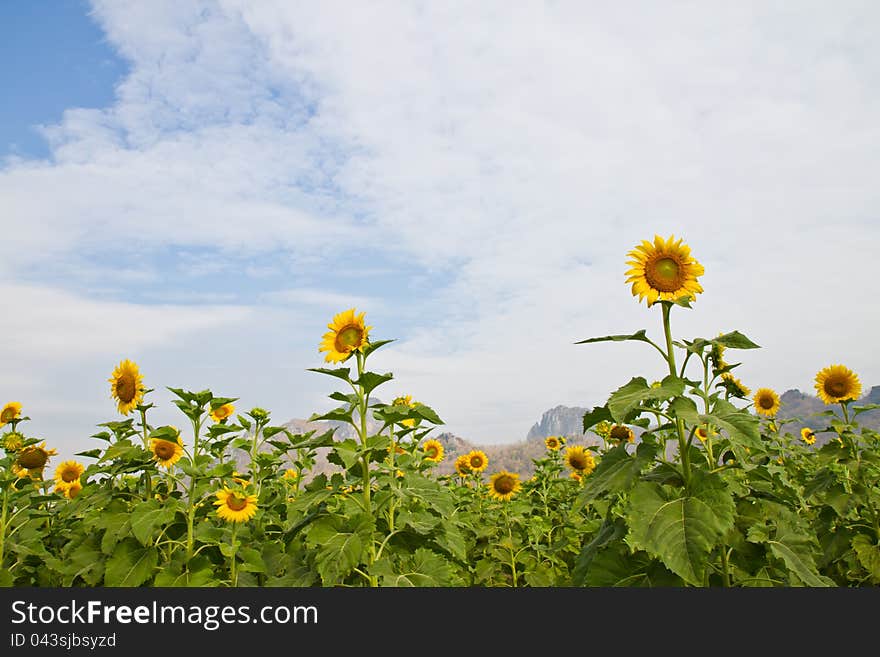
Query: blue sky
x=213, y=180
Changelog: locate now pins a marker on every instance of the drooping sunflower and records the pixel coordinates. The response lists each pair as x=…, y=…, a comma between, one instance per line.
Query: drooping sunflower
x=620, y=433
x=766, y=402
x=220, y=413
x=461, y=465
x=808, y=436
x=11, y=411
x=34, y=458
x=70, y=490
x=837, y=383
x=477, y=460
x=127, y=386
x=734, y=386
x=12, y=442
x=580, y=460
x=67, y=473
x=433, y=450
x=553, y=443
x=235, y=505
x=503, y=485
x=716, y=355
x=166, y=452
x=347, y=335
x=664, y=270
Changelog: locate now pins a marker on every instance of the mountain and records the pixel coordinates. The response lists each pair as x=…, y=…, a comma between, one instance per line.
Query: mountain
x=565, y=421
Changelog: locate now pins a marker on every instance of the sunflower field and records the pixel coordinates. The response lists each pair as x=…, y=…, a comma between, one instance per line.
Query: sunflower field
x=693, y=481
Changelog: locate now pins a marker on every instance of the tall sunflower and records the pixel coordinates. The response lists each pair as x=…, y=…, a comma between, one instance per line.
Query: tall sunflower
x=580, y=460
x=66, y=474
x=11, y=411
x=553, y=443
x=663, y=270
x=477, y=460
x=766, y=402
x=808, y=436
x=166, y=452
x=433, y=450
x=620, y=433
x=235, y=505
x=837, y=383
x=127, y=386
x=347, y=335
x=222, y=412
x=503, y=485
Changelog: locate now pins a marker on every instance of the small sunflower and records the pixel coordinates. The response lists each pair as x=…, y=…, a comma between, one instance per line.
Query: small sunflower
x=577, y=476
x=702, y=433
x=837, y=383
x=220, y=413
x=67, y=473
x=12, y=442
x=808, y=436
x=433, y=450
x=477, y=461
x=70, y=490
x=34, y=458
x=766, y=402
x=621, y=433
x=663, y=270
x=126, y=386
x=235, y=506
x=347, y=335
x=406, y=401
x=11, y=411
x=461, y=465
x=734, y=386
x=553, y=443
x=166, y=452
x=503, y=485
x=580, y=460
x=716, y=355
x=603, y=429
x=290, y=475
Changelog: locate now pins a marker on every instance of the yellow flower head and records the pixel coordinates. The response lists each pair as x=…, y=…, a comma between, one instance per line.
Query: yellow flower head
x=126, y=386
x=433, y=450
x=734, y=386
x=12, y=442
x=553, y=443
x=461, y=465
x=577, y=476
x=702, y=433
x=766, y=402
x=166, y=452
x=716, y=355
x=620, y=433
x=406, y=401
x=477, y=460
x=808, y=436
x=235, y=506
x=11, y=411
x=290, y=475
x=663, y=271
x=580, y=460
x=34, y=458
x=220, y=413
x=70, y=490
x=503, y=485
x=347, y=335
x=67, y=474
x=837, y=383
x=603, y=429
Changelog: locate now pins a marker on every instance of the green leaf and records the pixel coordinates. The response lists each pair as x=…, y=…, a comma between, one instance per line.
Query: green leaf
x=198, y=573
x=340, y=550
x=741, y=427
x=616, y=471
x=609, y=532
x=868, y=554
x=735, y=340
x=341, y=414
x=90, y=453
x=424, y=568
x=369, y=381
x=427, y=413
x=681, y=530
x=597, y=415
x=638, y=336
x=343, y=373
x=131, y=564
x=373, y=346
x=146, y=516
x=626, y=398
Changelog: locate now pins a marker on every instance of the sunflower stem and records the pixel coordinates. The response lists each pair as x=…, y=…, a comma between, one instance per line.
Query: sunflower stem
x=191, y=507
x=232, y=572
x=148, y=479
x=679, y=423
x=363, y=402
x=3, y=523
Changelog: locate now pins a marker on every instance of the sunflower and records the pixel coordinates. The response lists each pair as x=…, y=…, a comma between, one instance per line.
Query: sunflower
x=235, y=506
x=67, y=473
x=502, y=485
x=433, y=450
x=290, y=475
x=808, y=436
x=19, y=471
x=166, y=452
x=766, y=402
x=11, y=411
x=461, y=465
x=579, y=459
x=34, y=458
x=406, y=401
x=12, y=441
x=702, y=433
x=347, y=334
x=734, y=386
x=127, y=386
x=603, y=429
x=663, y=270
x=716, y=355
x=554, y=442
x=477, y=460
x=837, y=383
x=220, y=413
x=577, y=476
x=70, y=490
x=621, y=433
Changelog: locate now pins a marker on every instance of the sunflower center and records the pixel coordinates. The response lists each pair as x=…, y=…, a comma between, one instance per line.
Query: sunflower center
x=68, y=476
x=577, y=461
x=349, y=338
x=33, y=459
x=504, y=485
x=164, y=450
x=836, y=387
x=663, y=274
x=766, y=402
x=620, y=433
x=236, y=503
x=431, y=452
x=7, y=415
x=476, y=462
x=125, y=387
